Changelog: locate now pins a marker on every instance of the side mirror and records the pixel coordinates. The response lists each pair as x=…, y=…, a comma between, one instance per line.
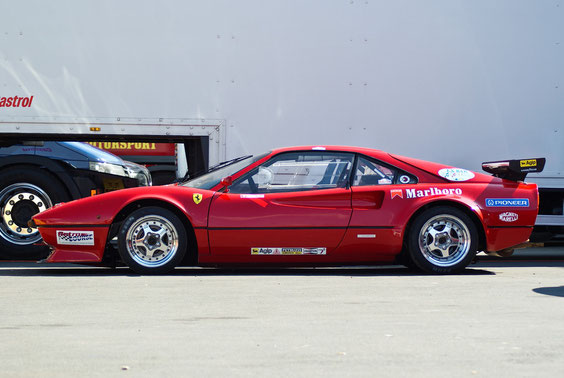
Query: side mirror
x=227, y=181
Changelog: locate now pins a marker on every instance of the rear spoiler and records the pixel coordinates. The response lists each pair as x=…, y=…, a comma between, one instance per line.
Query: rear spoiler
x=515, y=170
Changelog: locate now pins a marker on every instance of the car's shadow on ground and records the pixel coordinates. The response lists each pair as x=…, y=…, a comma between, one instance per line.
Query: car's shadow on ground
x=557, y=291
x=553, y=257
x=519, y=261
x=73, y=270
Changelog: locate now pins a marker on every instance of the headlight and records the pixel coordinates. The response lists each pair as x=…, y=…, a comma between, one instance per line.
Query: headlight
x=139, y=172
x=111, y=169
x=144, y=180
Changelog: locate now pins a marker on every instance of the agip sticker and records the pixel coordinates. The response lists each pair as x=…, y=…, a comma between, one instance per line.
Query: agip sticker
x=456, y=174
x=528, y=163
x=288, y=251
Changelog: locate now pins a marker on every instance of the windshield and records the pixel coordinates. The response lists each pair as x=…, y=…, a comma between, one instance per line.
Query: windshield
x=211, y=179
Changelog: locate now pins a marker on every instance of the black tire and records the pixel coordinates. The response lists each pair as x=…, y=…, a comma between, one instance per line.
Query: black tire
x=405, y=259
x=442, y=240
x=152, y=240
x=24, y=192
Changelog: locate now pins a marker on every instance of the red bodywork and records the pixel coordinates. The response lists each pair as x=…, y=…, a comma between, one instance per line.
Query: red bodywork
x=228, y=226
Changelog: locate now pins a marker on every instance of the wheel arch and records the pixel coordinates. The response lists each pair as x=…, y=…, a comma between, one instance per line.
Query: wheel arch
x=474, y=216
x=191, y=256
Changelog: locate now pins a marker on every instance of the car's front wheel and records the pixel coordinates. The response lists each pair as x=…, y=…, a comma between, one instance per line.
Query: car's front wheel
x=442, y=240
x=152, y=240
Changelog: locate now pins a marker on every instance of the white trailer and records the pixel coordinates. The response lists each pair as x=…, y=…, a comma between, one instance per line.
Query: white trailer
x=459, y=82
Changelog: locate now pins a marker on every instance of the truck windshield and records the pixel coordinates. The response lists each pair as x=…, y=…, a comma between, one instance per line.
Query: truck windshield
x=211, y=179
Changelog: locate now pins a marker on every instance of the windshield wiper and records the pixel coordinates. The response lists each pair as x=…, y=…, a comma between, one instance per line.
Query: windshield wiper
x=214, y=168
x=227, y=162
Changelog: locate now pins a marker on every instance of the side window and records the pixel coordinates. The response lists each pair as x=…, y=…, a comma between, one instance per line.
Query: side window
x=297, y=171
x=369, y=172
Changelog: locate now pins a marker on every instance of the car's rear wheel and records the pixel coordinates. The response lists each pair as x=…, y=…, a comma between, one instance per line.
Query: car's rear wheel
x=442, y=240
x=152, y=240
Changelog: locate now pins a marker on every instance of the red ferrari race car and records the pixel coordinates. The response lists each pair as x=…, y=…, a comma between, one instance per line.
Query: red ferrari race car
x=303, y=206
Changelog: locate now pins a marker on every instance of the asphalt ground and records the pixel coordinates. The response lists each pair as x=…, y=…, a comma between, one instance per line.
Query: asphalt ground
x=501, y=317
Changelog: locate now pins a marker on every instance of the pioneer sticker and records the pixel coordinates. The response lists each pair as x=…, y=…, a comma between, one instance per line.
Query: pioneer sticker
x=507, y=202
x=75, y=237
x=288, y=251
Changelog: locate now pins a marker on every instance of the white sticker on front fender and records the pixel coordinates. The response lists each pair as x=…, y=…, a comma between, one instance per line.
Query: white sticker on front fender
x=75, y=237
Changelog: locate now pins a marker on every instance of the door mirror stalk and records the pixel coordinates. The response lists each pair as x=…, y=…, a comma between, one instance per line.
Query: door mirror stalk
x=226, y=182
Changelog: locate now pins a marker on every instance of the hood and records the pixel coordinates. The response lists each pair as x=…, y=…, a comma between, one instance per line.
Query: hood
x=102, y=208
x=91, y=153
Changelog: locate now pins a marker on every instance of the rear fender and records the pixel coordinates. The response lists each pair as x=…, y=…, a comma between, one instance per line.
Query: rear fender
x=468, y=206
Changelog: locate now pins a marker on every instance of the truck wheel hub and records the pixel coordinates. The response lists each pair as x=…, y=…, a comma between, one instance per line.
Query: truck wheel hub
x=18, y=203
x=23, y=211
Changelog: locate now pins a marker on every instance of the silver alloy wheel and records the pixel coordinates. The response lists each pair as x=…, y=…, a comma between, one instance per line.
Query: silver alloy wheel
x=18, y=203
x=444, y=240
x=152, y=241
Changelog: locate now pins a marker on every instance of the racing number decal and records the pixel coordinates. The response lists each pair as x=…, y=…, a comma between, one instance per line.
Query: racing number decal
x=197, y=197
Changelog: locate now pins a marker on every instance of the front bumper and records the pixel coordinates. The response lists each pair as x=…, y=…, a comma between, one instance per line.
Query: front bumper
x=67, y=249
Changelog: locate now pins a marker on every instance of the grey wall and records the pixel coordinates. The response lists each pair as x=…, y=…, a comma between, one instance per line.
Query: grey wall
x=460, y=82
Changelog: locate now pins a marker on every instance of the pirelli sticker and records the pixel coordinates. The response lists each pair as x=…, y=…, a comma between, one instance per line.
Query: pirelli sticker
x=288, y=251
x=528, y=163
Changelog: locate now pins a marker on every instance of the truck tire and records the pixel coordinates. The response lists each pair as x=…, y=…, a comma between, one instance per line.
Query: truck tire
x=24, y=192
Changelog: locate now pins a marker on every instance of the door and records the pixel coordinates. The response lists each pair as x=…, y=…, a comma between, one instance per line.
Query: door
x=295, y=207
x=377, y=191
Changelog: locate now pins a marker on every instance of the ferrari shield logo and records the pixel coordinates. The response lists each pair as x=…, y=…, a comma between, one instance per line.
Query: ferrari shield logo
x=197, y=197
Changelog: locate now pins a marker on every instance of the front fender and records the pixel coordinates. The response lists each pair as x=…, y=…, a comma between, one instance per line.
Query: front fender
x=102, y=209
